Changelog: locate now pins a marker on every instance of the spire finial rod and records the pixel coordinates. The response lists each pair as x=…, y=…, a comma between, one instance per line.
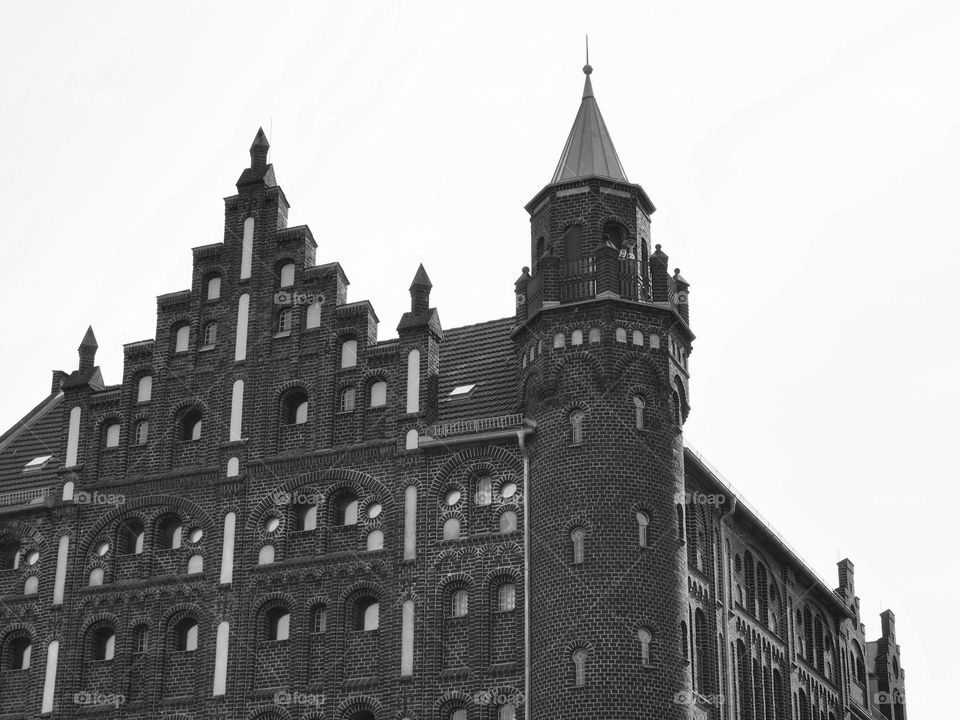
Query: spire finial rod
x=586, y=68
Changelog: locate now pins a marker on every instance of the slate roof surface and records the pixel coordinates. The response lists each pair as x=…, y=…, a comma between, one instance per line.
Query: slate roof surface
x=37, y=434
x=480, y=354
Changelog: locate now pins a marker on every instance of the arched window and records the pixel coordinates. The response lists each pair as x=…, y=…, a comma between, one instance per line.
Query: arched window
x=195, y=564
x=31, y=585
x=348, y=399
x=594, y=335
x=576, y=427
x=278, y=624
x=643, y=523
x=183, y=339
x=643, y=635
x=507, y=597
x=186, y=635
x=638, y=338
x=508, y=522
x=375, y=540
x=368, y=614
x=412, y=440
x=104, y=640
x=20, y=649
x=458, y=714
x=314, y=314
x=576, y=337
x=111, y=435
x=9, y=554
x=621, y=335
x=141, y=432
x=191, y=425
x=287, y=273
x=451, y=529
x=559, y=340
x=144, y=389
x=484, y=490
x=654, y=342
x=294, y=407
x=458, y=603
x=130, y=538
x=266, y=555
x=284, y=320
x=213, y=288
x=378, y=394
x=210, y=334
x=169, y=533
x=306, y=516
x=684, y=640
x=579, y=658
x=347, y=506
x=318, y=619
x=96, y=577
x=681, y=529
x=577, y=536
x=348, y=354
x=507, y=712
x=141, y=640
x=638, y=409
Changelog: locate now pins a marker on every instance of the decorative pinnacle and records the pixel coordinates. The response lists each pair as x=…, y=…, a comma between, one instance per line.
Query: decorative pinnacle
x=89, y=339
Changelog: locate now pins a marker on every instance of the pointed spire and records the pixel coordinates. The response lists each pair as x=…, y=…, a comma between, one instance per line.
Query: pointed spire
x=589, y=149
x=88, y=350
x=421, y=278
x=420, y=292
x=258, y=151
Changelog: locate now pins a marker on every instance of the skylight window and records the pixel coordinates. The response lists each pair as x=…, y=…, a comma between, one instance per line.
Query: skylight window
x=461, y=391
x=37, y=463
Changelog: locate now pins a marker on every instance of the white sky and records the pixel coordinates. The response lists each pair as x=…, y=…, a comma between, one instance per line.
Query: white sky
x=803, y=160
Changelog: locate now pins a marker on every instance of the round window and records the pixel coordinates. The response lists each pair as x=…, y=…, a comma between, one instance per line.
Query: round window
x=272, y=524
x=102, y=549
x=34, y=556
x=196, y=534
x=453, y=496
x=374, y=510
x=508, y=490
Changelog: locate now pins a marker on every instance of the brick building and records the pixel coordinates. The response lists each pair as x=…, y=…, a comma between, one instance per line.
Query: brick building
x=277, y=515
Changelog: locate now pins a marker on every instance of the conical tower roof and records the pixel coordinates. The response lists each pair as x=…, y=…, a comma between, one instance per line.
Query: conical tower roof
x=589, y=149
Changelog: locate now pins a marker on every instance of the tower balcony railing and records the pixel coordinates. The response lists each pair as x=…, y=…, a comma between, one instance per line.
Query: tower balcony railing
x=578, y=280
x=604, y=273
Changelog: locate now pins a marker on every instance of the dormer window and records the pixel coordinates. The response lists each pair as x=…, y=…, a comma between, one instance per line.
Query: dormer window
x=461, y=391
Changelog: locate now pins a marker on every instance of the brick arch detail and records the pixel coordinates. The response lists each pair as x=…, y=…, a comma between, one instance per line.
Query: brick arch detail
x=161, y=504
x=358, y=702
x=556, y=371
x=491, y=453
x=269, y=712
x=625, y=361
x=273, y=599
x=100, y=618
x=22, y=530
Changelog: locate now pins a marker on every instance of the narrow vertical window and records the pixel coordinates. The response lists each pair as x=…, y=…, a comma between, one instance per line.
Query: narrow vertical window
x=580, y=667
x=112, y=435
x=220, y=659
x=507, y=597
x=484, y=490
x=681, y=530
x=458, y=604
x=576, y=427
x=285, y=320
x=577, y=536
x=643, y=635
x=236, y=411
x=638, y=407
x=73, y=437
x=243, y=313
x=348, y=399
x=319, y=619
x=213, y=288
x=643, y=523
x=412, y=440
x=576, y=337
x=413, y=381
x=287, y=275
x=410, y=522
x=246, y=256
x=210, y=334
x=142, y=432
x=347, y=507
x=406, y=639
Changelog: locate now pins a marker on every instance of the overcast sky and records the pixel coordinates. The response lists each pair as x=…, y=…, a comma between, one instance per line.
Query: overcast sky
x=803, y=159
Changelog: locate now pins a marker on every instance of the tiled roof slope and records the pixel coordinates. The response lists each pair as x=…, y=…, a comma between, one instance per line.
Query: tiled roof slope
x=479, y=354
x=37, y=434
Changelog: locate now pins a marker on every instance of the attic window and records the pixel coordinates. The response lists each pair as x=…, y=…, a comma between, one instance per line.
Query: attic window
x=37, y=463
x=461, y=391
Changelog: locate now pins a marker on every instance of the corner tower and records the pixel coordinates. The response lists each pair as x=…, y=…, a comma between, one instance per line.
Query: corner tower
x=602, y=337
